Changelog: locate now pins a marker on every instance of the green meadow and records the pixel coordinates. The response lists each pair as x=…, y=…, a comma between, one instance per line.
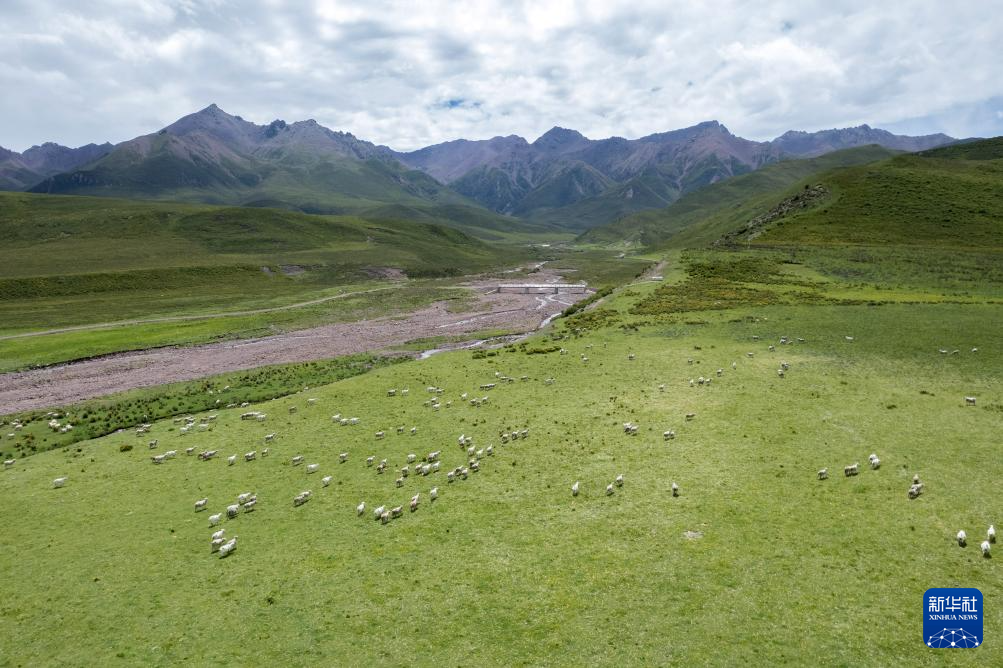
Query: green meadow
x=882, y=317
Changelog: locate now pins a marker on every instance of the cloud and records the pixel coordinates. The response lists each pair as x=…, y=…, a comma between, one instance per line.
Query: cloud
x=410, y=74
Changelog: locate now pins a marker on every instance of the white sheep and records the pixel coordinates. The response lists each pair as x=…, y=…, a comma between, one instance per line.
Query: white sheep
x=218, y=534
x=619, y=480
x=214, y=519
x=231, y=460
x=675, y=489
x=232, y=510
x=312, y=468
x=343, y=457
x=228, y=547
x=59, y=482
x=269, y=438
x=370, y=459
x=991, y=534
x=823, y=474
x=414, y=503
x=216, y=543
x=250, y=456
x=326, y=480
x=297, y=460
x=7, y=463
x=875, y=463
x=962, y=538
x=574, y=489
x=985, y=548
x=850, y=470
x=360, y=509
x=378, y=512
x=433, y=493
x=201, y=504
x=969, y=401
x=609, y=490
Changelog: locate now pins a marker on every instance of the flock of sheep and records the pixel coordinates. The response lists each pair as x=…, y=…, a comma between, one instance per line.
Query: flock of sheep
x=430, y=464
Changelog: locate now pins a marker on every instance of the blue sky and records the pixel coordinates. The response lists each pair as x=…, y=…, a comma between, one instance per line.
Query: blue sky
x=410, y=74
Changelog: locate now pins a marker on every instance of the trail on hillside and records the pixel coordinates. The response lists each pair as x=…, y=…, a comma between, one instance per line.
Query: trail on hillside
x=68, y=383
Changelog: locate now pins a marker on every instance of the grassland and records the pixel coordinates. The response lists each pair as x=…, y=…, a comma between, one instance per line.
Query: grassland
x=780, y=568
x=754, y=562
x=72, y=261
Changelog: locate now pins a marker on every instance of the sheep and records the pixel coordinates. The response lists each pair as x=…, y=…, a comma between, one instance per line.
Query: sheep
x=668, y=435
x=190, y=451
x=301, y=498
x=619, y=480
x=399, y=482
x=245, y=497
x=343, y=457
x=850, y=470
x=849, y=339
x=785, y=366
x=59, y=482
x=720, y=372
x=378, y=511
x=414, y=430
x=227, y=548
x=574, y=489
x=232, y=510
x=385, y=517
x=823, y=474
x=433, y=456
x=772, y=349
x=969, y=401
x=249, y=506
x=780, y=373
x=433, y=493
x=326, y=480
x=405, y=471
x=157, y=459
x=915, y=479
x=411, y=458
x=297, y=460
x=216, y=543
x=153, y=444
x=690, y=416
x=250, y=456
x=661, y=387
x=962, y=538
x=414, y=503
x=312, y=468
x=370, y=459
x=214, y=519
x=292, y=410
x=450, y=476
x=201, y=504
x=391, y=393
x=7, y=463
x=435, y=466
x=991, y=533
x=404, y=392
x=630, y=356
x=218, y=534
x=875, y=464
x=231, y=460
x=396, y=511
x=464, y=473
x=381, y=467
x=264, y=452
x=915, y=491
x=734, y=365
x=380, y=435
x=985, y=548
x=675, y=489
x=609, y=489
x=360, y=509
x=269, y=438
x=206, y=455
x=489, y=451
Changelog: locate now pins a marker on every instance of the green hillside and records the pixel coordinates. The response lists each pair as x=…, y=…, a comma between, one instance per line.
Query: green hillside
x=721, y=206
x=69, y=261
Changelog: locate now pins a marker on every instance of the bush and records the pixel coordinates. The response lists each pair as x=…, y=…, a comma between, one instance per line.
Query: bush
x=125, y=447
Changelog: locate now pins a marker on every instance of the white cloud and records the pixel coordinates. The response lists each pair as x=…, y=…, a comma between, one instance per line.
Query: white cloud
x=409, y=74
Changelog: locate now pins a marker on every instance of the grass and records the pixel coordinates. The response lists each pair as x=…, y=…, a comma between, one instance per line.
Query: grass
x=99, y=417
x=755, y=562
x=542, y=576
x=148, y=260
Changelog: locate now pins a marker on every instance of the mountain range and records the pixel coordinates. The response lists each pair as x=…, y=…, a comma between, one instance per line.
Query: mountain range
x=563, y=180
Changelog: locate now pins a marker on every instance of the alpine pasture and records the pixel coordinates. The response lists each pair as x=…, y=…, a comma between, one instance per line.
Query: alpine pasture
x=719, y=394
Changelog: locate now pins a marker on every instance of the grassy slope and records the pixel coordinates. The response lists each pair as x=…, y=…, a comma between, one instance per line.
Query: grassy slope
x=724, y=204
x=68, y=261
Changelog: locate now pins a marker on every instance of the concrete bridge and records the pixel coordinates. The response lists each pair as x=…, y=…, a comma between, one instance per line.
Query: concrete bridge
x=533, y=288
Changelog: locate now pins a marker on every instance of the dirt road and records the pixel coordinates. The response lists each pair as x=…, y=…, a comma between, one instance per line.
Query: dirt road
x=68, y=383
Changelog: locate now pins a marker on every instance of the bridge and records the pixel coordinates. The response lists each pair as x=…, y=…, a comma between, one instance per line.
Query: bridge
x=532, y=288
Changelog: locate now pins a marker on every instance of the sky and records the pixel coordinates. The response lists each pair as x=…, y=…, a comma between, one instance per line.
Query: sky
x=410, y=74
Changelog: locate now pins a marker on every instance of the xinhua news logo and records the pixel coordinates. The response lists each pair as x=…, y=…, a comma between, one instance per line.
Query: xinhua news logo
x=952, y=618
